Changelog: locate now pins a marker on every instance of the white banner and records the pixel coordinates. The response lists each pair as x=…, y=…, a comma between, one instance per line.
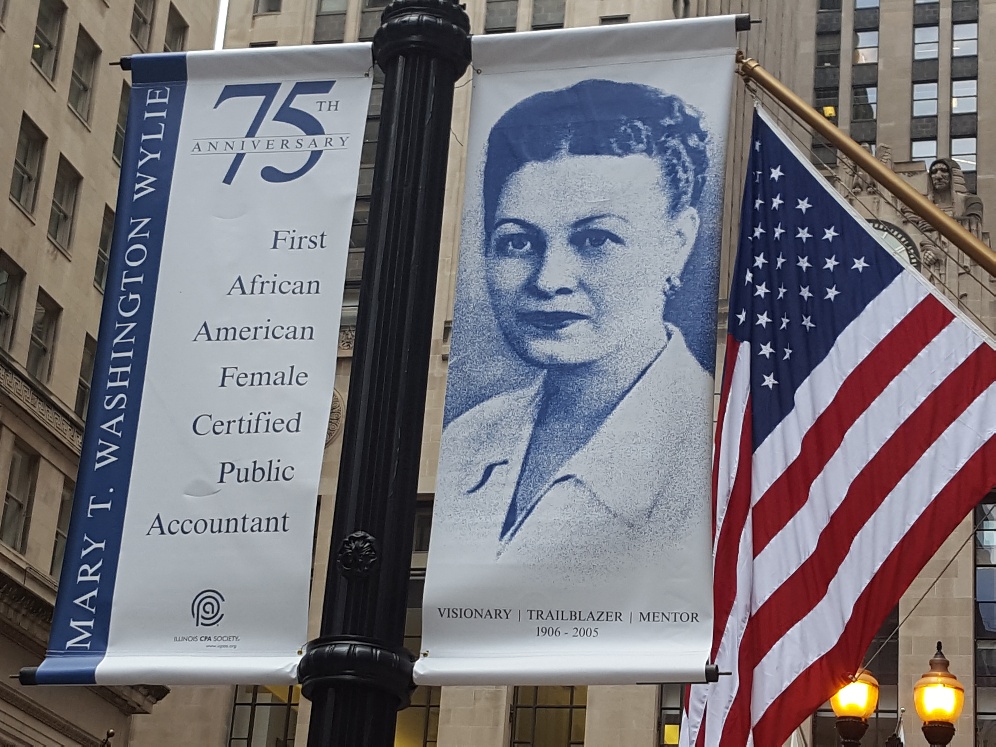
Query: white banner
x=572, y=523
x=190, y=543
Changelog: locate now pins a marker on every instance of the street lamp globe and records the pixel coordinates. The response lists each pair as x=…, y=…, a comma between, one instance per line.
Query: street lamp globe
x=853, y=704
x=939, y=698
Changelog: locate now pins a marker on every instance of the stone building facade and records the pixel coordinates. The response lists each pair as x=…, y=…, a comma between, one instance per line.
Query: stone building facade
x=895, y=73
x=60, y=144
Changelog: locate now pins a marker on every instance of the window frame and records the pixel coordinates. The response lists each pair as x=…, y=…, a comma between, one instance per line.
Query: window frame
x=82, y=81
x=922, y=49
x=10, y=299
x=871, y=101
x=48, y=40
x=972, y=97
x=26, y=463
x=526, y=704
x=177, y=29
x=917, y=98
x=86, y=377
x=44, y=333
x=28, y=162
x=142, y=14
x=62, y=527
x=861, y=54
x=65, y=201
x=965, y=46
x=117, y=147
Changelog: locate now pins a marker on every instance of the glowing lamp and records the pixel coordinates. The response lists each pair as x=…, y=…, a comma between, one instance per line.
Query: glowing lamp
x=938, y=697
x=852, y=705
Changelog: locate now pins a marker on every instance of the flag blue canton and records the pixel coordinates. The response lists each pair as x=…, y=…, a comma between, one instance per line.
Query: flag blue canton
x=806, y=268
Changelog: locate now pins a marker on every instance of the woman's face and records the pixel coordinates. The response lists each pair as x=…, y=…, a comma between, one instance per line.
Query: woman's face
x=580, y=257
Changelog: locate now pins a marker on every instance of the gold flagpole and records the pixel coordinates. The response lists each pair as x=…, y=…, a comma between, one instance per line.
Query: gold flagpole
x=750, y=69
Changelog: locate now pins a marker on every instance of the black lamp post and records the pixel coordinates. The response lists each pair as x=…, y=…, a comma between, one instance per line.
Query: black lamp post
x=357, y=674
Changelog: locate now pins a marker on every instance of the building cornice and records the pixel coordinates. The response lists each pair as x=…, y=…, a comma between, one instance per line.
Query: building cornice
x=39, y=402
x=26, y=617
x=21, y=702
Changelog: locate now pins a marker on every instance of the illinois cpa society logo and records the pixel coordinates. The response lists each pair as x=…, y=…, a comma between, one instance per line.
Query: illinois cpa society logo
x=206, y=608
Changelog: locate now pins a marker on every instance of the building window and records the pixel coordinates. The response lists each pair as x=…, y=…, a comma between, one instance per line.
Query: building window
x=418, y=725
x=864, y=103
x=43, y=330
x=830, y=4
x=423, y=526
x=48, y=33
x=86, y=374
x=925, y=99
x=925, y=43
x=669, y=713
x=858, y=4
x=11, y=280
x=923, y=150
x=548, y=14
x=67, y=188
x=963, y=150
x=612, y=20
x=985, y=621
x=84, y=71
x=552, y=716
x=62, y=527
x=141, y=22
x=332, y=6
x=964, y=96
x=826, y=101
x=18, y=498
x=865, y=47
x=119, y=129
x=104, y=248
x=964, y=40
x=176, y=31
x=264, y=716
x=266, y=6
x=27, y=164
x=500, y=16
x=828, y=50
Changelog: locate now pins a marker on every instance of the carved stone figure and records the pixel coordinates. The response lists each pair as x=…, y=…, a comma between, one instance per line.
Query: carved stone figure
x=861, y=183
x=946, y=188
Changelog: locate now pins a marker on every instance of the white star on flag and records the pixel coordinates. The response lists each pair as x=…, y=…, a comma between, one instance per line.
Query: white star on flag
x=760, y=261
x=830, y=263
x=781, y=292
x=859, y=264
x=785, y=322
x=766, y=350
x=788, y=353
x=779, y=231
x=829, y=233
x=780, y=260
x=804, y=234
x=832, y=293
x=761, y=290
x=777, y=201
x=742, y=316
x=758, y=231
x=776, y=173
x=807, y=323
x=803, y=205
x=762, y=320
x=769, y=381
x=804, y=292
x=757, y=203
x=803, y=263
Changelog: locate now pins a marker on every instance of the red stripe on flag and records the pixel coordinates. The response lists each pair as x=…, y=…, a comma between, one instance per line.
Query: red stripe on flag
x=818, y=682
x=729, y=363
x=790, y=490
x=809, y=583
x=728, y=544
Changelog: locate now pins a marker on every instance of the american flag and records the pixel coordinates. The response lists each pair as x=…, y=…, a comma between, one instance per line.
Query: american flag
x=855, y=432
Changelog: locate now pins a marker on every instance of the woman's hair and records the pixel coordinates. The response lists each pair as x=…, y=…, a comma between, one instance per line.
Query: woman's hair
x=600, y=118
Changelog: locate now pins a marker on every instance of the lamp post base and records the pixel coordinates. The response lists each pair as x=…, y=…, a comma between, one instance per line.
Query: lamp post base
x=850, y=730
x=938, y=733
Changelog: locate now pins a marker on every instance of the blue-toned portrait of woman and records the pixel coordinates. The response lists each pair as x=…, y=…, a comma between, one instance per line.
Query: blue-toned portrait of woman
x=600, y=280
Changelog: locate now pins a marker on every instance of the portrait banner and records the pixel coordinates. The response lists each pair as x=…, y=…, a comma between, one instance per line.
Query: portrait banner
x=572, y=518
x=189, y=549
